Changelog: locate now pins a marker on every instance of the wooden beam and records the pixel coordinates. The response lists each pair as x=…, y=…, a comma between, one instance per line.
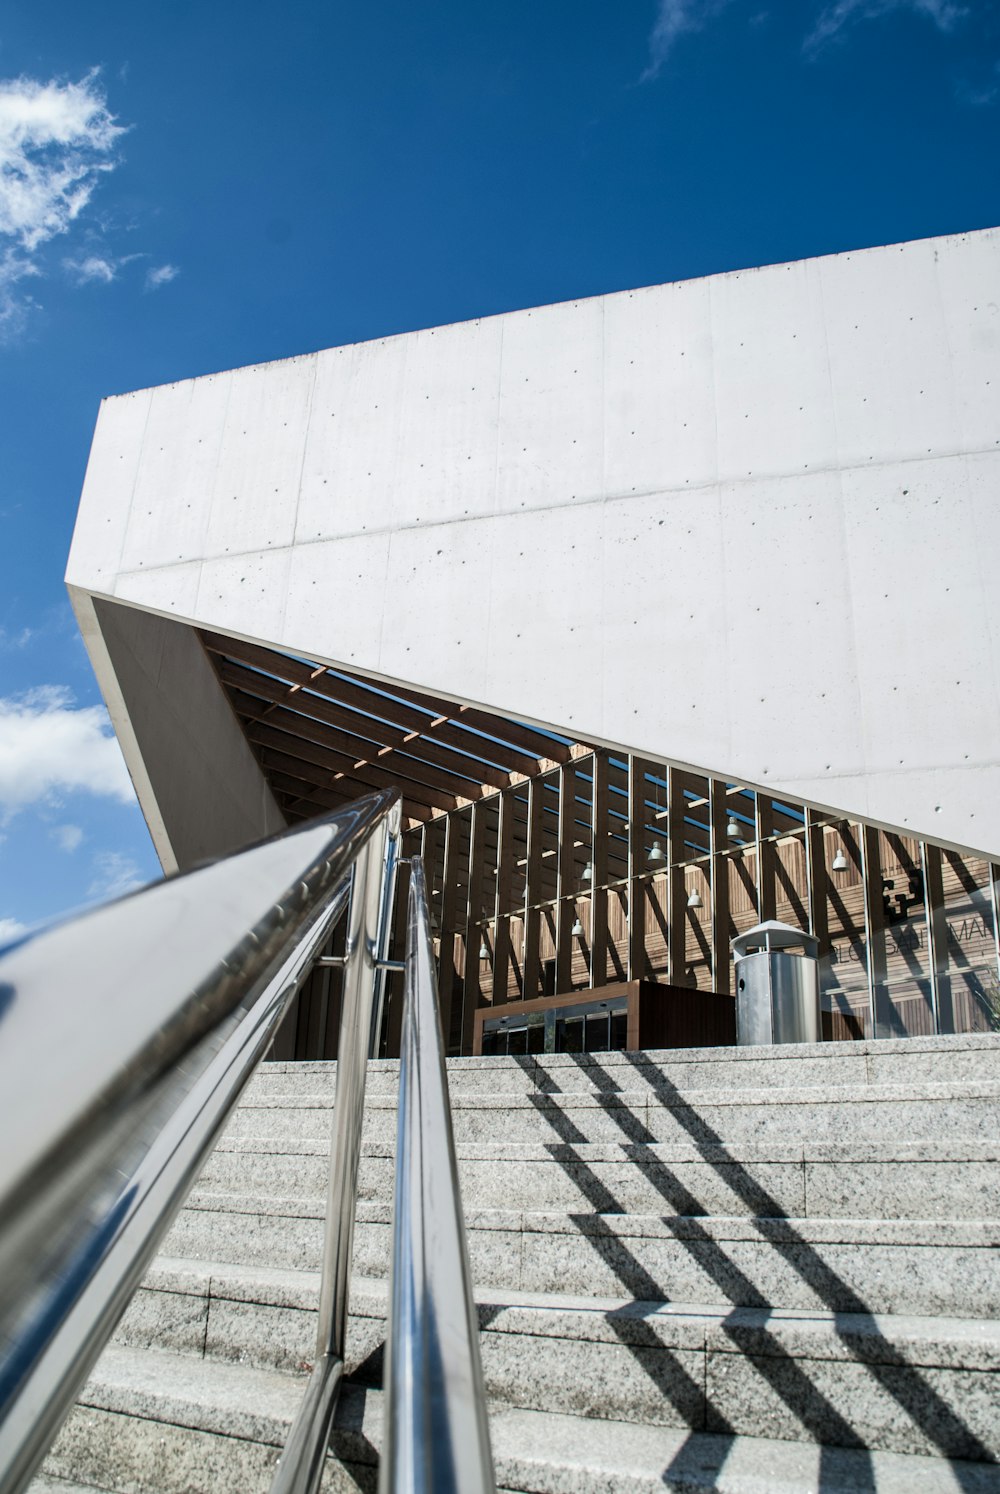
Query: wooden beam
x=367, y=702
x=501, y=926
x=636, y=965
x=767, y=892
x=473, y=926
x=259, y=696
x=357, y=780
x=599, y=893
x=871, y=871
x=531, y=965
x=677, y=894
x=304, y=791
x=333, y=753
x=719, y=879
x=565, y=879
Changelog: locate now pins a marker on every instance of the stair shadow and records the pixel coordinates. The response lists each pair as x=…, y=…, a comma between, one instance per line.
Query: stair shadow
x=825, y=1424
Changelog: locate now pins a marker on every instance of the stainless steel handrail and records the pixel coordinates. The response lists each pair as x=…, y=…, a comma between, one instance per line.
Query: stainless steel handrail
x=126, y=1038
x=300, y=1467
x=435, y=1436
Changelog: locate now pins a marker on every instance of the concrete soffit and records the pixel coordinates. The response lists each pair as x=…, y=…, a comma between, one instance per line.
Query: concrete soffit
x=204, y=769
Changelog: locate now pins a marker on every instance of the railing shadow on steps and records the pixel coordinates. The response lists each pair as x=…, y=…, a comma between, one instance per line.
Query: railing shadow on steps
x=827, y=1426
x=127, y=1036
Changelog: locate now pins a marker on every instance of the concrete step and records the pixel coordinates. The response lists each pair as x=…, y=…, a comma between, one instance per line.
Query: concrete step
x=947, y=1179
x=155, y=1422
x=165, y=1422
x=925, y=1266
x=836, y=1114
x=903, y=1383
x=910, y=1060
x=44, y=1484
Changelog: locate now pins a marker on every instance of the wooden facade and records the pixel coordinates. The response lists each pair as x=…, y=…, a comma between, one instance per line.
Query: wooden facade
x=556, y=867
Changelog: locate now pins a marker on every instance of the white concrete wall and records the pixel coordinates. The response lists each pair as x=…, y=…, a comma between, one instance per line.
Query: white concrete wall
x=750, y=523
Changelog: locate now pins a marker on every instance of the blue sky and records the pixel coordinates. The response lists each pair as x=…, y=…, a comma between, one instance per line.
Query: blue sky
x=192, y=187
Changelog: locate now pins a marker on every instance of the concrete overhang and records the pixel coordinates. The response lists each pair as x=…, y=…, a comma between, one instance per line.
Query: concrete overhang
x=747, y=523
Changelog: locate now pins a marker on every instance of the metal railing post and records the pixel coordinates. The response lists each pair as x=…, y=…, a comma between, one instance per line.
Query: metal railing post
x=103, y=1141
x=435, y=1430
x=369, y=924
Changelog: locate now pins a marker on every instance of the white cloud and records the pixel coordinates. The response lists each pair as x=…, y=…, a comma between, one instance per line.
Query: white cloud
x=673, y=19
x=68, y=837
x=945, y=15
x=48, y=747
x=114, y=875
x=94, y=267
x=11, y=929
x=161, y=275
x=18, y=639
x=56, y=142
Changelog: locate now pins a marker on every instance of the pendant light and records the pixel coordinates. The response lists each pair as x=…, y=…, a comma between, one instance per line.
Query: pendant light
x=694, y=901
x=733, y=831
x=577, y=930
x=656, y=856
x=484, y=953
x=588, y=872
x=840, y=860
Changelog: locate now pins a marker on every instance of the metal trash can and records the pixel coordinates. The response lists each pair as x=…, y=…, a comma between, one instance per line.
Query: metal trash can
x=777, y=992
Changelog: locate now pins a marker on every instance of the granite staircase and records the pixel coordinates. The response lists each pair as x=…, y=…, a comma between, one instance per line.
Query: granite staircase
x=766, y=1269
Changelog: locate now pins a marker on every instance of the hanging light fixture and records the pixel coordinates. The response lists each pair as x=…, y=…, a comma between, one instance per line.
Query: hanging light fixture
x=577, y=930
x=694, y=901
x=588, y=872
x=733, y=831
x=656, y=856
x=840, y=860
x=484, y=953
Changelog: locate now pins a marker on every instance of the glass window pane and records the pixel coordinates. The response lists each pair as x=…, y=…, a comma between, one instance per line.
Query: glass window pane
x=569, y=1035
x=901, y=955
x=968, y=988
x=517, y=1040
x=597, y=1033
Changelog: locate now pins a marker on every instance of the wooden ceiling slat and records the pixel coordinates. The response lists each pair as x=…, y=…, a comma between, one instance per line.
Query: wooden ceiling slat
x=368, y=777
x=458, y=770
x=339, y=756
x=304, y=791
x=370, y=699
x=441, y=739
x=537, y=743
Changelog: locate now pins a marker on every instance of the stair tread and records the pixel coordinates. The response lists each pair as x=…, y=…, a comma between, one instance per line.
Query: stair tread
x=666, y=1095
x=781, y=1229
x=539, y=1451
x=850, y=1150
x=206, y=1395
x=974, y=1343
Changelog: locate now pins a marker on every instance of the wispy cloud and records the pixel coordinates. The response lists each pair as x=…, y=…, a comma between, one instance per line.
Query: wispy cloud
x=94, y=268
x=677, y=18
x=49, y=747
x=673, y=19
x=68, y=838
x=981, y=95
x=57, y=140
x=10, y=929
x=114, y=875
x=161, y=275
x=17, y=638
x=842, y=14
